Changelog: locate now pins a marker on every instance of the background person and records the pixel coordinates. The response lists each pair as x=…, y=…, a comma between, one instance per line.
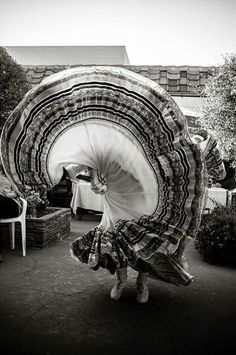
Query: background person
x=10, y=204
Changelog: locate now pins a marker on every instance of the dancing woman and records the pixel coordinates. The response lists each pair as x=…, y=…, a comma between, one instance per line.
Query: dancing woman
x=134, y=139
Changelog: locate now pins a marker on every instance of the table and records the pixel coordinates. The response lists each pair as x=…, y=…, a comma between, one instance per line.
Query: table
x=84, y=197
x=220, y=195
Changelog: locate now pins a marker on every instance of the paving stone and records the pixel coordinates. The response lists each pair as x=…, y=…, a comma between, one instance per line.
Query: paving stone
x=52, y=305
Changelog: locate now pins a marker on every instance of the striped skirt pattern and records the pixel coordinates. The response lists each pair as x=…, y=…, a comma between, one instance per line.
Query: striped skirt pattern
x=128, y=130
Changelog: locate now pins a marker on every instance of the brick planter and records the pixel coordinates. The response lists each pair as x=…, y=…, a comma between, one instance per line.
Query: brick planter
x=40, y=231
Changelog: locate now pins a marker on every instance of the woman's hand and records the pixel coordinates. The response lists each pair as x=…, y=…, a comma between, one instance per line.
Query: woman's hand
x=9, y=193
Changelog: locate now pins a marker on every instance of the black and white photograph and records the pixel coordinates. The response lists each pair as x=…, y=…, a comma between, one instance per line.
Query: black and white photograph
x=117, y=177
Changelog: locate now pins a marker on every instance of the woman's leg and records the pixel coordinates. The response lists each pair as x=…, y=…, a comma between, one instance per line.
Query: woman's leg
x=121, y=278
x=179, y=252
x=142, y=287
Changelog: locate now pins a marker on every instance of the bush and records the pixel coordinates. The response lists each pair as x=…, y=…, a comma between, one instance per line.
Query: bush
x=13, y=85
x=216, y=238
x=218, y=114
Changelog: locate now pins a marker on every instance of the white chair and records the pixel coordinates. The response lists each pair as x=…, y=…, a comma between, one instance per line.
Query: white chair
x=22, y=219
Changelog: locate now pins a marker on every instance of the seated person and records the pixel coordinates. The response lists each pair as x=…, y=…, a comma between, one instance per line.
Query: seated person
x=10, y=203
x=229, y=182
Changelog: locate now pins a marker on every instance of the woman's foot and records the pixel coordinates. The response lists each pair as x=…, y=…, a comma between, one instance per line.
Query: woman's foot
x=142, y=288
x=116, y=292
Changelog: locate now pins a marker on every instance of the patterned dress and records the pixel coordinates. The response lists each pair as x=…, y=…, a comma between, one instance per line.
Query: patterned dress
x=134, y=139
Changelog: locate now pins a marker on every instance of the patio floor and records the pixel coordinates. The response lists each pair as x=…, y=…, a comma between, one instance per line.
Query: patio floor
x=50, y=304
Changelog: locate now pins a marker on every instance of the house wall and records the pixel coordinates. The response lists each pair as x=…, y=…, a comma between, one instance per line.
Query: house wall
x=68, y=55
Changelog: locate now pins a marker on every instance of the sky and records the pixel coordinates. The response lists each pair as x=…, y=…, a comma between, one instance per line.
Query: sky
x=155, y=32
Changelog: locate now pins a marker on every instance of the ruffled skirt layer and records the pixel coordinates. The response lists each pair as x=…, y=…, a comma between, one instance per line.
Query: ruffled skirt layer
x=130, y=132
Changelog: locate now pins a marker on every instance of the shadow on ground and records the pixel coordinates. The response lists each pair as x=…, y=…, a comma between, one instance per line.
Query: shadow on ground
x=50, y=304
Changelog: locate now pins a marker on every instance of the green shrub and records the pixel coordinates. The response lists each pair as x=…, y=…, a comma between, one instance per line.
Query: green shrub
x=216, y=238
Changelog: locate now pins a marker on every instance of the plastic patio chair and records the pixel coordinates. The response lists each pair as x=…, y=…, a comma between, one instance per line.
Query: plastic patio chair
x=22, y=219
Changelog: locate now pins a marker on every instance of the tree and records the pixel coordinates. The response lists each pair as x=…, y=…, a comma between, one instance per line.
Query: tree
x=13, y=85
x=218, y=115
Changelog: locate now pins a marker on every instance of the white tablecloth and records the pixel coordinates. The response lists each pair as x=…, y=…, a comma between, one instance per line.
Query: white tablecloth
x=220, y=195
x=84, y=197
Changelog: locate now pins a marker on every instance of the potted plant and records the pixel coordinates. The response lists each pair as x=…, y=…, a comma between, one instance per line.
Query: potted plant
x=44, y=224
x=37, y=201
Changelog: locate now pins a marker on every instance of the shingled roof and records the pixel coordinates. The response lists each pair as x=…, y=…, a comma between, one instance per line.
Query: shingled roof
x=177, y=80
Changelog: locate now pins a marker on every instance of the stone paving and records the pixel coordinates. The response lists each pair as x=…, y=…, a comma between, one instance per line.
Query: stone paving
x=52, y=305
